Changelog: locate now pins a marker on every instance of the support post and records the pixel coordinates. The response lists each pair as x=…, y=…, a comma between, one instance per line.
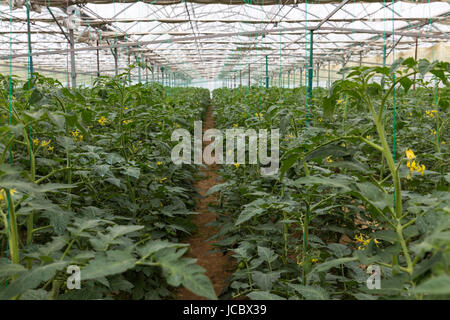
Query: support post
x=30, y=51
x=329, y=78
x=153, y=72
x=317, y=74
x=139, y=68
x=249, y=76
x=129, y=62
x=98, y=61
x=293, y=81
x=240, y=78
x=310, y=69
x=146, y=72
x=343, y=65
x=415, y=58
x=384, y=64
x=267, y=73
x=72, y=59
x=289, y=79
x=301, y=77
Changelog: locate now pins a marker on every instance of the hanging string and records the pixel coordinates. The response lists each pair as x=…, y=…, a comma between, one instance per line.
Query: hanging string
x=9, y=122
x=306, y=69
x=68, y=44
x=393, y=81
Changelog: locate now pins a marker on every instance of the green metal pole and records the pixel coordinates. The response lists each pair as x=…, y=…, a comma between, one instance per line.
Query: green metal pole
x=301, y=77
x=293, y=80
x=343, y=64
x=29, y=39
x=384, y=64
x=310, y=69
x=267, y=74
x=139, y=68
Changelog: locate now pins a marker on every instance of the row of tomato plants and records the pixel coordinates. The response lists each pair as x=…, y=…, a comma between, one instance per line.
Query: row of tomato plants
x=353, y=196
x=86, y=180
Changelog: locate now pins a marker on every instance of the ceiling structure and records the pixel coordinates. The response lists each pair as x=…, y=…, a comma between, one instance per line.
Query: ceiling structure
x=214, y=39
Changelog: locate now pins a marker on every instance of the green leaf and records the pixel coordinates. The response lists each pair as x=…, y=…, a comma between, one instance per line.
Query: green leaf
x=120, y=230
x=112, y=262
x=266, y=280
x=325, y=266
x=9, y=269
x=395, y=65
x=132, y=172
x=184, y=271
x=264, y=295
x=248, y=213
x=31, y=279
x=310, y=292
x=333, y=150
x=331, y=182
x=267, y=254
x=406, y=83
x=435, y=286
x=154, y=246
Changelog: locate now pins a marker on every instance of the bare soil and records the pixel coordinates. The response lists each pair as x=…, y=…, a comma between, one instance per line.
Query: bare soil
x=216, y=264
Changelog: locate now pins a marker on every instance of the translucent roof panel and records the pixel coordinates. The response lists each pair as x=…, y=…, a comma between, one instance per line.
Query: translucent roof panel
x=212, y=41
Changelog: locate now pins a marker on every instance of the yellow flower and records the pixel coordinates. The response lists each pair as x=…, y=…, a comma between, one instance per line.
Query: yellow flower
x=162, y=180
x=3, y=193
x=159, y=163
x=410, y=114
x=235, y=125
x=291, y=136
x=329, y=159
x=320, y=119
x=410, y=154
x=430, y=113
x=368, y=137
x=237, y=165
x=126, y=108
x=36, y=142
x=340, y=101
x=433, y=132
x=102, y=121
x=75, y=133
x=421, y=169
x=314, y=260
x=50, y=149
x=80, y=137
x=443, y=142
x=45, y=143
x=127, y=121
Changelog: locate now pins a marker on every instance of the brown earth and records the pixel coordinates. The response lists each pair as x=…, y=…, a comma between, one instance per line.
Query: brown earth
x=216, y=264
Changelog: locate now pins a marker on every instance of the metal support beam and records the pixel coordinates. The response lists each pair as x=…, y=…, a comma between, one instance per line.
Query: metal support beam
x=343, y=3
x=267, y=74
x=72, y=59
x=30, y=51
x=98, y=62
x=310, y=68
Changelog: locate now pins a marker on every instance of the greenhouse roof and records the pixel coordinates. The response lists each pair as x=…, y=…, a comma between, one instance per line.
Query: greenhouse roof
x=204, y=39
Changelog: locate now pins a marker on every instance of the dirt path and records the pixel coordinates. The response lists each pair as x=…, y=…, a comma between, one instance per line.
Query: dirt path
x=216, y=264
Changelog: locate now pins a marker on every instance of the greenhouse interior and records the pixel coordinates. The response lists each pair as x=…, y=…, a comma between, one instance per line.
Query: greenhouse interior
x=224, y=150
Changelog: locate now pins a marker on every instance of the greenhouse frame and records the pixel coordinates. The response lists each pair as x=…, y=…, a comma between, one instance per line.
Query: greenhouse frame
x=104, y=100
